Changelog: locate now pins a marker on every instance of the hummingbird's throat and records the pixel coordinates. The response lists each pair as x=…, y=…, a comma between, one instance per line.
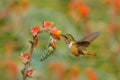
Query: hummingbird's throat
x=70, y=44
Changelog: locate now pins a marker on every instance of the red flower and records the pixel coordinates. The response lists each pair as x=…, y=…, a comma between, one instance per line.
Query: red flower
x=53, y=43
x=57, y=37
x=35, y=30
x=81, y=7
x=84, y=10
x=29, y=72
x=36, y=41
x=25, y=57
x=75, y=71
x=55, y=31
x=46, y=24
x=91, y=74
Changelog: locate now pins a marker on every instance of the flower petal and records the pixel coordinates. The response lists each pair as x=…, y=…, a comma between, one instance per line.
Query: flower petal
x=35, y=30
x=25, y=57
x=57, y=37
x=55, y=31
x=46, y=24
x=29, y=72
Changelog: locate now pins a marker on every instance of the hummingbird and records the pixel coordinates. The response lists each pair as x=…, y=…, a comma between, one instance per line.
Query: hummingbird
x=79, y=47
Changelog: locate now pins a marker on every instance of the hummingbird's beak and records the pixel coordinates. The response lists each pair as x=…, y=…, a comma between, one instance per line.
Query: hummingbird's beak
x=63, y=35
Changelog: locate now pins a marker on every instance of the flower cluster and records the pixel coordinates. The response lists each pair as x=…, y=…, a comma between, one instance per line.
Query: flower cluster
x=54, y=32
x=50, y=28
x=26, y=60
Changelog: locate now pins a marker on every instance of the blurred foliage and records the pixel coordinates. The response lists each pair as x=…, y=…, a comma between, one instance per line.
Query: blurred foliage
x=15, y=24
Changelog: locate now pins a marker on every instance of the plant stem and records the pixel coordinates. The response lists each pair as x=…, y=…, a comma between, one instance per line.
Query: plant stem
x=27, y=65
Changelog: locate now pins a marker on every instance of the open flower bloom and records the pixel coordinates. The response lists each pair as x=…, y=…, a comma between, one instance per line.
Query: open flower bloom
x=29, y=72
x=25, y=57
x=35, y=30
x=55, y=31
x=46, y=24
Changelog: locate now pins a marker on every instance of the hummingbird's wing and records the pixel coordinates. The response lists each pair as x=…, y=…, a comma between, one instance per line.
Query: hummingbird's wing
x=91, y=37
x=85, y=42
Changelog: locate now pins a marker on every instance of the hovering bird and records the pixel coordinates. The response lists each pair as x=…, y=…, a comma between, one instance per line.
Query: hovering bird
x=79, y=47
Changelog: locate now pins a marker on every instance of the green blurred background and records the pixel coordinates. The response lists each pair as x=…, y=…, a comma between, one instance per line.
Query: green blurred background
x=18, y=16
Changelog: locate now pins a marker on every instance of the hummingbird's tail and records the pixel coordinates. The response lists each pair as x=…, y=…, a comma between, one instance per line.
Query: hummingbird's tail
x=85, y=52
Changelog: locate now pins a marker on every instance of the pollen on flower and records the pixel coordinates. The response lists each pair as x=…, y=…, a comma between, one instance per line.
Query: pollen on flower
x=46, y=24
x=58, y=32
x=35, y=30
x=55, y=31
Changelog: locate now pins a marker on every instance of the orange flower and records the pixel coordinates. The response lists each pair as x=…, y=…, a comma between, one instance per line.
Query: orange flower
x=112, y=29
x=25, y=57
x=91, y=74
x=53, y=43
x=82, y=8
x=55, y=31
x=75, y=71
x=35, y=30
x=29, y=72
x=12, y=66
x=46, y=24
x=36, y=41
x=115, y=3
x=24, y=4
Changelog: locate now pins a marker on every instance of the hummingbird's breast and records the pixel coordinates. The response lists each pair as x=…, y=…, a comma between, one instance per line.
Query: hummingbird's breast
x=74, y=49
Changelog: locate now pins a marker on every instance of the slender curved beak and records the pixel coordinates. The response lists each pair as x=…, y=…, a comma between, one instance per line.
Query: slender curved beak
x=62, y=35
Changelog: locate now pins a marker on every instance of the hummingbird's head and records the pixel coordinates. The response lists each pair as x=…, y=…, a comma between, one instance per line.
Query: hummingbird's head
x=68, y=38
